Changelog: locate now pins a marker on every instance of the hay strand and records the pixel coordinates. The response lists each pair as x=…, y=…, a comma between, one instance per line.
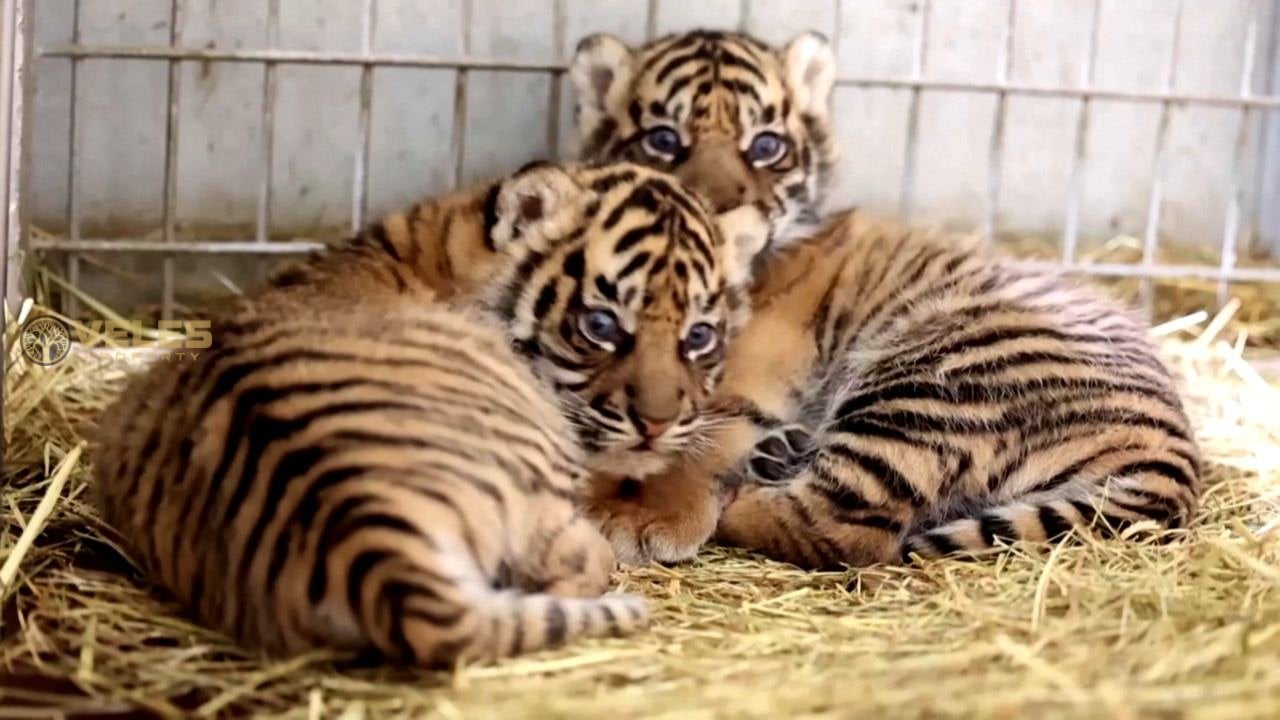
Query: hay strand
x=35, y=524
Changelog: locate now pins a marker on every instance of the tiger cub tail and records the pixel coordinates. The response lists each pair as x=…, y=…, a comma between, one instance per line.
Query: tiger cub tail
x=512, y=622
x=1105, y=507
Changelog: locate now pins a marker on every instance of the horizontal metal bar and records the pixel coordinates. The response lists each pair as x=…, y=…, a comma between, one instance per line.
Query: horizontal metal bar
x=247, y=247
x=1173, y=98
x=250, y=247
x=306, y=57
x=295, y=57
x=1198, y=272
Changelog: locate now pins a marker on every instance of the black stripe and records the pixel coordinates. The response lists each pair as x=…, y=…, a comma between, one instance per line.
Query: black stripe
x=607, y=182
x=557, y=626
x=941, y=542
x=731, y=59
x=1158, y=467
x=1055, y=525
x=675, y=63
x=637, y=235
x=607, y=289
x=363, y=564
x=546, y=299
x=491, y=215
x=378, y=233
x=993, y=526
x=633, y=265
x=893, y=481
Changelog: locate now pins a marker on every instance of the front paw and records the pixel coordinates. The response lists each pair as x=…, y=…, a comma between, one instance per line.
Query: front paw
x=780, y=455
x=641, y=534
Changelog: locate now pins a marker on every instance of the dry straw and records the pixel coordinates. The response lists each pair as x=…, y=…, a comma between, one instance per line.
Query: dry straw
x=1090, y=629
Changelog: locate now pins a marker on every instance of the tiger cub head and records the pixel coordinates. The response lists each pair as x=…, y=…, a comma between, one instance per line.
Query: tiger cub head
x=624, y=290
x=738, y=121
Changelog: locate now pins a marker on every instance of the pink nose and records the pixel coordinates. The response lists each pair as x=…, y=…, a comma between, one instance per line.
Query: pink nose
x=654, y=428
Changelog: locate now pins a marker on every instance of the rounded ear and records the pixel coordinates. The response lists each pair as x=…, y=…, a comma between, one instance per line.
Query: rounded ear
x=602, y=70
x=810, y=68
x=746, y=234
x=536, y=203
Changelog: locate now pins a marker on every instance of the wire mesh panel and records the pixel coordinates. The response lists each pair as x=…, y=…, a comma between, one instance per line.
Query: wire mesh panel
x=179, y=143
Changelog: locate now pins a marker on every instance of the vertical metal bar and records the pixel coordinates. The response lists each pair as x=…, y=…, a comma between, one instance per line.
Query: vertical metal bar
x=744, y=15
x=170, y=164
x=458, y=142
x=651, y=20
x=1071, y=228
x=1268, y=178
x=1004, y=68
x=555, y=81
x=16, y=59
x=906, y=199
x=263, y=225
x=1151, y=236
x=360, y=181
x=1235, y=200
x=72, y=303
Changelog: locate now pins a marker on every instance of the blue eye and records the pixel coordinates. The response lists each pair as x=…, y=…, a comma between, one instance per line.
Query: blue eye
x=766, y=149
x=701, y=337
x=662, y=141
x=601, y=327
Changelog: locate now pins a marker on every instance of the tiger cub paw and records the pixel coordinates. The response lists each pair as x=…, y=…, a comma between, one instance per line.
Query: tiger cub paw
x=781, y=455
x=640, y=533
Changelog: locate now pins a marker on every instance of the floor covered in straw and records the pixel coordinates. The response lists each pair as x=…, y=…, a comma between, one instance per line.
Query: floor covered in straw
x=1183, y=629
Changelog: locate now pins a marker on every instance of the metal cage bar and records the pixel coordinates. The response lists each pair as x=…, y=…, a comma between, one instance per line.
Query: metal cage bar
x=919, y=55
x=262, y=227
x=73, y=167
x=360, y=181
x=1089, y=61
x=16, y=65
x=169, y=207
x=458, y=135
x=1155, y=203
x=1235, y=199
x=1168, y=98
x=995, y=158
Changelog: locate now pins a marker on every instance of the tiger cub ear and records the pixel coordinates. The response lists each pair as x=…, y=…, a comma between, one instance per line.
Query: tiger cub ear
x=746, y=234
x=539, y=202
x=810, y=68
x=602, y=70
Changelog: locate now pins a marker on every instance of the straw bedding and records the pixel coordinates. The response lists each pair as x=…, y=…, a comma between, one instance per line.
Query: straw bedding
x=1189, y=628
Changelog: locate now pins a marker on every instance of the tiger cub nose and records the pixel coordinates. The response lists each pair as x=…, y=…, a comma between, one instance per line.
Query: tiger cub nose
x=652, y=428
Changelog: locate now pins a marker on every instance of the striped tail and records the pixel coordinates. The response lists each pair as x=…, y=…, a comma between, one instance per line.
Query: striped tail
x=510, y=622
x=1104, y=507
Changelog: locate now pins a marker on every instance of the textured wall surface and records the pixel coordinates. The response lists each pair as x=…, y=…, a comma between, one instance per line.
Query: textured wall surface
x=120, y=107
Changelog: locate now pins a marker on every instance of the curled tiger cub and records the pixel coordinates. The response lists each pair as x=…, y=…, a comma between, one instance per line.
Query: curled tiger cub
x=944, y=402
x=897, y=392
x=358, y=463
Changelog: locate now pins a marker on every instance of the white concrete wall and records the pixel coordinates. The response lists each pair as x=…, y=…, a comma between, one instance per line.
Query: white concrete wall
x=121, y=107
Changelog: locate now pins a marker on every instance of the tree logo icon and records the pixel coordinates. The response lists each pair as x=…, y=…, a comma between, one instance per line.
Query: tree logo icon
x=46, y=340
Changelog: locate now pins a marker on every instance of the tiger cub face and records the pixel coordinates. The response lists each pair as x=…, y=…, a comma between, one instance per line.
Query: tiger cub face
x=738, y=121
x=625, y=291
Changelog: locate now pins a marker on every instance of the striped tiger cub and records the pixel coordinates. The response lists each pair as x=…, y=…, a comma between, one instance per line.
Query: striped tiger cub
x=358, y=464
x=908, y=393
x=738, y=121
x=901, y=393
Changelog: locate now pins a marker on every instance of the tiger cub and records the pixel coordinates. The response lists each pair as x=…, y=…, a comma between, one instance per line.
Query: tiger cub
x=965, y=365
x=900, y=393
x=359, y=464
x=738, y=121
